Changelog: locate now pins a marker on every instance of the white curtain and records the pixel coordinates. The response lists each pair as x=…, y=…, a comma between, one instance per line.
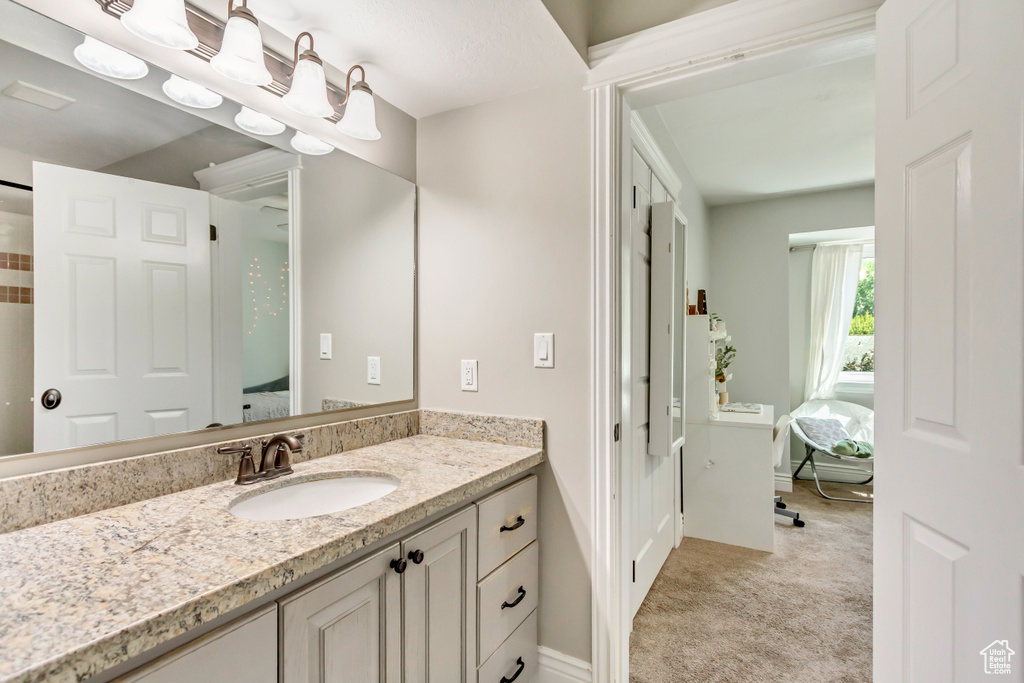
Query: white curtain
x=835, y=271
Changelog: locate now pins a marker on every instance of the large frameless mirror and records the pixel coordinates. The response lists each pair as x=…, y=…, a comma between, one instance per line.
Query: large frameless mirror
x=163, y=269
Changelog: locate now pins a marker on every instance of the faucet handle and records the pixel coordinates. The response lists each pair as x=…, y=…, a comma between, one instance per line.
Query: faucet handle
x=227, y=450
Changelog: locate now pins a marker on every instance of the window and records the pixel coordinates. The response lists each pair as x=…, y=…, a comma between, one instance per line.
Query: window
x=859, y=353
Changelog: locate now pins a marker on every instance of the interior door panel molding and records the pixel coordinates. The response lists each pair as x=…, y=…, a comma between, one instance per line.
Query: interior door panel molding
x=937, y=308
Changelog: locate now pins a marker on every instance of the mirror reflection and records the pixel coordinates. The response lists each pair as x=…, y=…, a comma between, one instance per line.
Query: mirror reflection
x=161, y=270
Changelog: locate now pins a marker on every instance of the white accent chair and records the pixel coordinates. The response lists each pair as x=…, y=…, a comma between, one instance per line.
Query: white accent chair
x=778, y=449
x=859, y=423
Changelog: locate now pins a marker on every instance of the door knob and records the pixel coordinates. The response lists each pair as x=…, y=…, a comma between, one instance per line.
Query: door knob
x=399, y=565
x=51, y=399
x=416, y=556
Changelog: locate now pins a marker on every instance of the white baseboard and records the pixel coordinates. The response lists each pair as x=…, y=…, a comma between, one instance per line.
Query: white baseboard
x=784, y=482
x=556, y=667
x=831, y=470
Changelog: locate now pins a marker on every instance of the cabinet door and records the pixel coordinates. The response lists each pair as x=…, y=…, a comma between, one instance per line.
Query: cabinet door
x=440, y=601
x=346, y=628
x=244, y=651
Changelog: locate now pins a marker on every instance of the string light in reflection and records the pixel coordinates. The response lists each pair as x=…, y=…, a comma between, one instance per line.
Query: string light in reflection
x=261, y=293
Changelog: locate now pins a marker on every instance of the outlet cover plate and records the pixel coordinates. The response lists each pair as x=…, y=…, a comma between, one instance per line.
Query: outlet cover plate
x=373, y=369
x=468, y=378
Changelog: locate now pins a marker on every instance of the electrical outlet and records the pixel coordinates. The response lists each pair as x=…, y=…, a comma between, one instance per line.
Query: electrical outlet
x=469, y=375
x=373, y=369
x=325, y=346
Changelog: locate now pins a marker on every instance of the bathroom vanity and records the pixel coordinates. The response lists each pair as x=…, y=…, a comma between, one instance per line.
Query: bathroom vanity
x=437, y=580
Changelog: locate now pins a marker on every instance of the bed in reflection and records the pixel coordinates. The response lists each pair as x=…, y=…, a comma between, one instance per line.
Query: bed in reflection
x=266, y=401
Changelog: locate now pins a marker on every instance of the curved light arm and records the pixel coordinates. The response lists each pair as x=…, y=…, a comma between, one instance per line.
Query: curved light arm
x=295, y=59
x=348, y=80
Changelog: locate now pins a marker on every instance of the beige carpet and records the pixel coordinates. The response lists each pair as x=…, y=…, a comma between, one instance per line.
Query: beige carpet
x=802, y=614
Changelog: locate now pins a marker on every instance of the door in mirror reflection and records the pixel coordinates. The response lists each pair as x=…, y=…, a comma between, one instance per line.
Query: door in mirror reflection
x=122, y=287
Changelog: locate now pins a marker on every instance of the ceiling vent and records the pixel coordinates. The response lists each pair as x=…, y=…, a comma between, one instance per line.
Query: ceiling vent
x=26, y=92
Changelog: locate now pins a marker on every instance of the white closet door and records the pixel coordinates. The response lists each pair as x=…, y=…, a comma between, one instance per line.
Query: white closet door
x=949, y=550
x=652, y=497
x=122, y=307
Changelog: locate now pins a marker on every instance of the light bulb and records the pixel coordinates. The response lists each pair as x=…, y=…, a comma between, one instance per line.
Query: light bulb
x=256, y=123
x=109, y=61
x=191, y=94
x=307, y=144
x=162, y=22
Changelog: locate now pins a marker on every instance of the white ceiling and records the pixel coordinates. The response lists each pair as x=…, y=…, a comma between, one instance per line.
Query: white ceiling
x=105, y=124
x=807, y=130
x=427, y=56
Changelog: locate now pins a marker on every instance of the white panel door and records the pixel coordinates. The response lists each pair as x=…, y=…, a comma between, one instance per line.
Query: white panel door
x=123, y=322
x=652, y=497
x=949, y=511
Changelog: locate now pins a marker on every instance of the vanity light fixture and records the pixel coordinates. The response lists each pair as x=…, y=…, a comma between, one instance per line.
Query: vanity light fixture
x=257, y=123
x=359, y=120
x=304, y=143
x=109, y=61
x=161, y=22
x=241, y=51
x=308, y=92
x=191, y=94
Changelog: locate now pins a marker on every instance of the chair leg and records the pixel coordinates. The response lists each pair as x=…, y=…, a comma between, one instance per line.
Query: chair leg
x=817, y=484
x=780, y=509
x=810, y=452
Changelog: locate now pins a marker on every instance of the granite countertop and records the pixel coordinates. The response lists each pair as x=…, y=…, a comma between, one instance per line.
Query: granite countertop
x=81, y=595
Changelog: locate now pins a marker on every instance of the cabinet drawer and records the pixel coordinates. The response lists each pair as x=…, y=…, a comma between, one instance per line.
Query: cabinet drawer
x=505, y=598
x=507, y=523
x=244, y=651
x=517, y=654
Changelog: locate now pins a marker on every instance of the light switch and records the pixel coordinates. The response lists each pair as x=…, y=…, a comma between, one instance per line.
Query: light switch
x=544, y=350
x=373, y=369
x=469, y=375
x=325, y=347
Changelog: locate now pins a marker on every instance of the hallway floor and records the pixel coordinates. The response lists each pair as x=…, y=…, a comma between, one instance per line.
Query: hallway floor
x=719, y=613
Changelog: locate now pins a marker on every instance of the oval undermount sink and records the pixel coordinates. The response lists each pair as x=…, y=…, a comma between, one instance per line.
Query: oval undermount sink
x=312, y=498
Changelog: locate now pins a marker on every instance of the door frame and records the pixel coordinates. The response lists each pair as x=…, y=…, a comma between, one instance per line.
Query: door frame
x=240, y=178
x=740, y=42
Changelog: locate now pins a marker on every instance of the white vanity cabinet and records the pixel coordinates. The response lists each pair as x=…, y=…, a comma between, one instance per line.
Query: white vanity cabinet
x=453, y=602
x=439, y=598
x=346, y=627
x=244, y=651
x=508, y=584
x=412, y=604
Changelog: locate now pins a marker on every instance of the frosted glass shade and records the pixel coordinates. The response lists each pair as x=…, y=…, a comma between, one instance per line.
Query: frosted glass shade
x=308, y=94
x=191, y=94
x=241, y=53
x=254, y=122
x=161, y=22
x=109, y=61
x=360, y=118
x=307, y=144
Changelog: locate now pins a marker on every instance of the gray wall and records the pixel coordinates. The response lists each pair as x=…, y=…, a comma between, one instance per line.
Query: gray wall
x=750, y=280
x=357, y=279
x=504, y=252
x=175, y=162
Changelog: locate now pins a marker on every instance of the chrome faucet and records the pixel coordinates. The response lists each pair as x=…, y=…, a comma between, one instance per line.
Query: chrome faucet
x=276, y=459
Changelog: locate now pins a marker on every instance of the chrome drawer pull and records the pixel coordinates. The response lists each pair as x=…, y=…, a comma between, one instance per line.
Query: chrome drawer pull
x=519, y=522
x=522, y=594
x=522, y=665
